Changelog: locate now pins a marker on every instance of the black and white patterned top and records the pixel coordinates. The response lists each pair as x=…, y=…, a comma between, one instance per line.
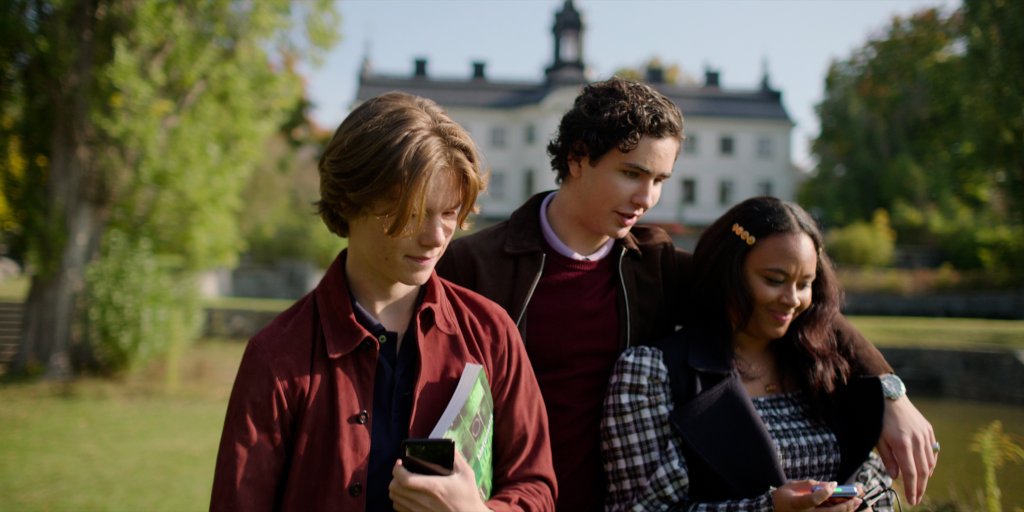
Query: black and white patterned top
x=645, y=465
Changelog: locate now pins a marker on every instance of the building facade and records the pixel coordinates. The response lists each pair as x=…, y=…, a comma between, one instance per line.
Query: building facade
x=737, y=141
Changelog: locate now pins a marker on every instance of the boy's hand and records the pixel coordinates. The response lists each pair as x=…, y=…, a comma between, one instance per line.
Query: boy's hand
x=412, y=492
x=906, y=447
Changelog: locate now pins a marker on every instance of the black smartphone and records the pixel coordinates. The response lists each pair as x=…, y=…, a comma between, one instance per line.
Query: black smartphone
x=429, y=456
x=842, y=494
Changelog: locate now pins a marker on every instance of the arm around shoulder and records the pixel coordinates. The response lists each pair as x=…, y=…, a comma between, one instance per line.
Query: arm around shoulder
x=868, y=360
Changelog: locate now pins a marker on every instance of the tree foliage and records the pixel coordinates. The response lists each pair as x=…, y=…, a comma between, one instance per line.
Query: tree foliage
x=134, y=127
x=888, y=123
x=279, y=220
x=926, y=122
x=672, y=74
x=994, y=32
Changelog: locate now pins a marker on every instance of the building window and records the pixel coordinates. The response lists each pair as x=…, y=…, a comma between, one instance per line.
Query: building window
x=528, y=182
x=765, y=188
x=530, y=134
x=725, y=192
x=764, y=147
x=496, y=186
x=726, y=145
x=498, y=136
x=689, y=192
x=690, y=145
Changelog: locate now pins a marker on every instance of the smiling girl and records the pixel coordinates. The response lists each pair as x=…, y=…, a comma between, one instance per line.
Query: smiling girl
x=757, y=404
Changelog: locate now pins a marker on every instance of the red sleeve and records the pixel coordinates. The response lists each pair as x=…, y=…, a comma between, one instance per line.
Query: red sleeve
x=252, y=450
x=524, y=477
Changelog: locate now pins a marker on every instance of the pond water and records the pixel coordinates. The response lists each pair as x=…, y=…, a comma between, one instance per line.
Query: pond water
x=959, y=476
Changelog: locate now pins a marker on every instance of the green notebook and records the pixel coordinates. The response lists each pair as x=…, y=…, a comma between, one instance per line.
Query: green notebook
x=469, y=421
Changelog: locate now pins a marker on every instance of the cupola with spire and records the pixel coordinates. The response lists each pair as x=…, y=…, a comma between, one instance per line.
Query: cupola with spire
x=567, y=66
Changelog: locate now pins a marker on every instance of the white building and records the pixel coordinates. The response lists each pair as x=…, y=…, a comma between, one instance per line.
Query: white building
x=737, y=142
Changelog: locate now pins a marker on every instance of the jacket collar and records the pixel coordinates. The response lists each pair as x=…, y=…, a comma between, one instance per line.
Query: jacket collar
x=343, y=333
x=525, y=235
x=719, y=426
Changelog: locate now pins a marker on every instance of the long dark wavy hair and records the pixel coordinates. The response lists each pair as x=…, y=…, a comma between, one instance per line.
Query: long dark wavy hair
x=722, y=302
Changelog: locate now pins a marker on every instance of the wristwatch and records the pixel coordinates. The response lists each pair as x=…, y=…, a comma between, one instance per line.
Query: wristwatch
x=892, y=386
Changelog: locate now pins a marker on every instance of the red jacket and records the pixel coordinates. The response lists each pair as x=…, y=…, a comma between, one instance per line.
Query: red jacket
x=298, y=425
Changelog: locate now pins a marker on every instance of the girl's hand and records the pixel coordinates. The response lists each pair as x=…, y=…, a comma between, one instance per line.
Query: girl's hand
x=804, y=495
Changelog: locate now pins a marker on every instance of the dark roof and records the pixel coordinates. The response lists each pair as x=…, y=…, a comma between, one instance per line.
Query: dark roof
x=693, y=100
x=456, y=93
x=714, y=102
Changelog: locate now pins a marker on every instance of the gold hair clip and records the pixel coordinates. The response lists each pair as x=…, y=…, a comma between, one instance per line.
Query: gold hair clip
x=743, y=234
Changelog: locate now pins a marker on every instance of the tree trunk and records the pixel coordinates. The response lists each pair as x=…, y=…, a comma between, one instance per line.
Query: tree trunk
x=51, y=309
x=75, y=214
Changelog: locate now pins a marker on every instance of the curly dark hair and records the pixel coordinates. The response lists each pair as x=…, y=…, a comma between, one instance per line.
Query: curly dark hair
x=614, y=114
x=722, y=303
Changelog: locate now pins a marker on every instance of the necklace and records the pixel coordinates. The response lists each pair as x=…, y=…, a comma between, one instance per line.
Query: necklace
x=755, y=372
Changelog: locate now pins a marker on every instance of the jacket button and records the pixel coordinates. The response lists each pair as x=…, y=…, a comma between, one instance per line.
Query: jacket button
x=363, y=417
x=355, y=489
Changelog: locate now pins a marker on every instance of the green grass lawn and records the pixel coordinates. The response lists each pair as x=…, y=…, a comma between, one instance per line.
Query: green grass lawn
x=14, y=289
x=125, y=445
x=132, y=445
x=900, y=331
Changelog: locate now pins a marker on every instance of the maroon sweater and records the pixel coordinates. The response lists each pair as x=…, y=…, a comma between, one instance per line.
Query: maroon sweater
x=573, y=342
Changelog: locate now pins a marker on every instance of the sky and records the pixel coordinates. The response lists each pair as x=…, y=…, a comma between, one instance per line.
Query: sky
x=796, y=40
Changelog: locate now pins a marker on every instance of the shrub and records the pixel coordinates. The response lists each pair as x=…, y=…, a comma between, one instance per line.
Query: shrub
x=136, y=307
x=997, y=249
x=863, y=244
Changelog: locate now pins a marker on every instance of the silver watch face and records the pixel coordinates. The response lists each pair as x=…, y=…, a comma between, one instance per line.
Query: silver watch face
x=892, y=386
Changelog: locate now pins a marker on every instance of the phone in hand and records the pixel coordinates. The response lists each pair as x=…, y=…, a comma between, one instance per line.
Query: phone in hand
x=429, y=456
x=841, y=494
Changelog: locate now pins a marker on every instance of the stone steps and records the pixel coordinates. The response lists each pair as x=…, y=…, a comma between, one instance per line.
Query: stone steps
x=10, y=331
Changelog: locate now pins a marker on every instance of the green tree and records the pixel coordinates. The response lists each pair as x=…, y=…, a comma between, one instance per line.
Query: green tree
x=994, y=31
x=142, y=120
x=890, y=126
x=926, y=121
x=672, y=74
x=278, y=219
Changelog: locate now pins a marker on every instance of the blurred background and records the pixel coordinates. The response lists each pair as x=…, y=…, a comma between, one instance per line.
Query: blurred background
x=158, y=169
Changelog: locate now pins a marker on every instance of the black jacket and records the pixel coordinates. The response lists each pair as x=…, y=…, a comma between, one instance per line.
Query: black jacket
x=727, y=448
x=504, y=262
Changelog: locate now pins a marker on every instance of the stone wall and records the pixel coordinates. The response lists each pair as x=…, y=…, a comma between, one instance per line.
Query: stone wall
x=988, y=376
x=281, y=280
x=1005, y=305
x=236, y=323
x=981, y=375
